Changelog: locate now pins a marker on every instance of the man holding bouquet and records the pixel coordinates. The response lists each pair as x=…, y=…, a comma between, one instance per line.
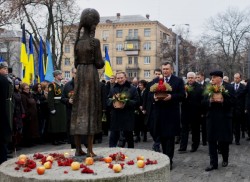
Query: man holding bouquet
x=218, y=102
x=123, y=98
x=167, y=110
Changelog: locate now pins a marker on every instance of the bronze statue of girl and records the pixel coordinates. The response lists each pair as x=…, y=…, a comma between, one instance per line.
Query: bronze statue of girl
x=86, y=109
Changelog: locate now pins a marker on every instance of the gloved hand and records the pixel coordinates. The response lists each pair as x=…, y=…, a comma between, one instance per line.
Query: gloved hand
x=53, y=112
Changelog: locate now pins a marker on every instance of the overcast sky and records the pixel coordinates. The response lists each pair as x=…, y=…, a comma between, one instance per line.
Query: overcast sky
x=168, y=12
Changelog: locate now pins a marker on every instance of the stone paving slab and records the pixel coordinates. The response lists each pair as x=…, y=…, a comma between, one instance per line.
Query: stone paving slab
x=189, y=167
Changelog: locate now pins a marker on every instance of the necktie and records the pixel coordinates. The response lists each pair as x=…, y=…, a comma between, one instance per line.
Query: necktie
x=236, y=87
x=166, y=79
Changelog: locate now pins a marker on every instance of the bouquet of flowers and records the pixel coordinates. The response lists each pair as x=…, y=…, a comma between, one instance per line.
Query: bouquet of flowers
x=216, y=92
x=71, y=94
x=188, y=88
x=161, y=89
x=120, y=99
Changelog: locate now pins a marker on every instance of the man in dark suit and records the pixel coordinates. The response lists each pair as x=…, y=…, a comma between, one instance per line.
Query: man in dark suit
x=239, y=108
x=219, y=121
x=167, y=111
x=5, y=130
x=191, y=114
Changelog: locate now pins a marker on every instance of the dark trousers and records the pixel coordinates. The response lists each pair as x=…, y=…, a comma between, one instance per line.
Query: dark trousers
x=167, y=144
x=237, y=123
x=213, y=151
x=204, y=129
x=115, y=135
x=195, y=128
x=3, y=153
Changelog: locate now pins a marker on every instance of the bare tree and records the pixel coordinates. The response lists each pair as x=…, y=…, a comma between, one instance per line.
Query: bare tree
x=47, y=18
x=226, y=33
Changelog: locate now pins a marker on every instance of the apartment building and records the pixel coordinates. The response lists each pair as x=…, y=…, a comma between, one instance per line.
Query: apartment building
x=135, y=45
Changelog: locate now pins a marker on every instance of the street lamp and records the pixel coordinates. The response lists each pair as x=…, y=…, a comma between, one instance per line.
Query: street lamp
x=177, y=51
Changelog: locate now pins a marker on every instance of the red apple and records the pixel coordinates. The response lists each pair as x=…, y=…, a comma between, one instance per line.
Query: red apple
x=140, y=164
x=22, y=161
x=75, y=166
x=140, y=157
x=89, y=161
x=108, y=159
x=47, y=165
x=117, y=168
x=40, y=170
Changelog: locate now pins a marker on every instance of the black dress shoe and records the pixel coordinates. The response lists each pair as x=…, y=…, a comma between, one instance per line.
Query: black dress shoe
x=224, y=164
x=138, y=139
x=55, y=143
x=193, y=150
x=181, y=151
x=210, y=168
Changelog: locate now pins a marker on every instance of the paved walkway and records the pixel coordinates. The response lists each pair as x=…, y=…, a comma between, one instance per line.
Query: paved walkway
x=188, y=167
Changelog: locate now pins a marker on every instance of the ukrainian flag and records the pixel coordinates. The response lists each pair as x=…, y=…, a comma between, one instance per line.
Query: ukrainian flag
x=108, y=70
x=49, y=66
x=41, y=66
x=23, y=52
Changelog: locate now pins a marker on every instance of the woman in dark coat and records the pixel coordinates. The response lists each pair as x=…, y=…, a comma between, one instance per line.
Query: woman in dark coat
x=30, y=121
x=18, y=114
x=86, y=110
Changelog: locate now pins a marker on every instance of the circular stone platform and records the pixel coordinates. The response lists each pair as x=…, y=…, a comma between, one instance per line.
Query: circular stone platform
x=131, y=173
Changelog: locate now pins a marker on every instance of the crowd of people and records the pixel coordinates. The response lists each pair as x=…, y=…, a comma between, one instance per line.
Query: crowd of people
x=40, y=113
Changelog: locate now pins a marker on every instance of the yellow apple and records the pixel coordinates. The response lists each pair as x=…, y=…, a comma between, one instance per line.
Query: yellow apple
x=47, y=165
x=40, y=170
x=66, y=154
x=117, y=168
x=22, y=161
x=49, y=158
x=108, y=159
x=75, y=166
x=140, y=157
x=89, y=161
x=140, y=164
x=22, y=156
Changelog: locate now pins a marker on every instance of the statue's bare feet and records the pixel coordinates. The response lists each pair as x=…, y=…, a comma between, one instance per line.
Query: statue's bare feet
x=80, y=153
x=91, y=154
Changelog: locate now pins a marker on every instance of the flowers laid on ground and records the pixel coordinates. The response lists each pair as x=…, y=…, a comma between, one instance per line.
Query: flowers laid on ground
x=115, y=161
x=188, y=88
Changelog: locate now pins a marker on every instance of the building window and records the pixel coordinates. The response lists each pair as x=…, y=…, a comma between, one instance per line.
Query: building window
x=147, y=32
x=118, y=33
x=67, y=74
x=67, y=48
x=130, y=32
x=135, y=74
x=131, y=45
x=119, y=60
x=130, y=74
x=147, y=60
x=130, y=60
x=105, y=34
x=136, y=60
x=119, y=47
x=147, y=46
x=67, y=62
x=135, y=32
x=104, y=46
x=146, y=73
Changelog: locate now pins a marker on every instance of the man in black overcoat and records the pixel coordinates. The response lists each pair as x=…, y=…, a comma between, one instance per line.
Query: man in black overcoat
x=5, y=130
x=219, y=121
x=239, y=108
x=167, y=111
x=191, y=114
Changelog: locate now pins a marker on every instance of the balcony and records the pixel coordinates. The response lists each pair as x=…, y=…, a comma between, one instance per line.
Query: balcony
x=132, y=67
x=132, y=38
x=132, y=48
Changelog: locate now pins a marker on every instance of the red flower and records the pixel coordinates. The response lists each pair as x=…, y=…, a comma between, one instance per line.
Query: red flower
x=17, y=168
x=87, y=170
x=65, y=172
x=110, y=166
x=149, y=162
x=118, y=156
x=38, y=156
x=130, y=162
x=27, y=169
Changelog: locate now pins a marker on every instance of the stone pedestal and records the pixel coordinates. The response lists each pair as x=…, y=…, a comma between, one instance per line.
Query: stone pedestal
x=131, y=173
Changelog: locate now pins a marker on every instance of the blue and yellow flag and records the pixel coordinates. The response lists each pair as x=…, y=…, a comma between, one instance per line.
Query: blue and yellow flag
x=29, y=76
x=49, y=66
x=23, y=52
x=41, y=66
x=108, y=70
